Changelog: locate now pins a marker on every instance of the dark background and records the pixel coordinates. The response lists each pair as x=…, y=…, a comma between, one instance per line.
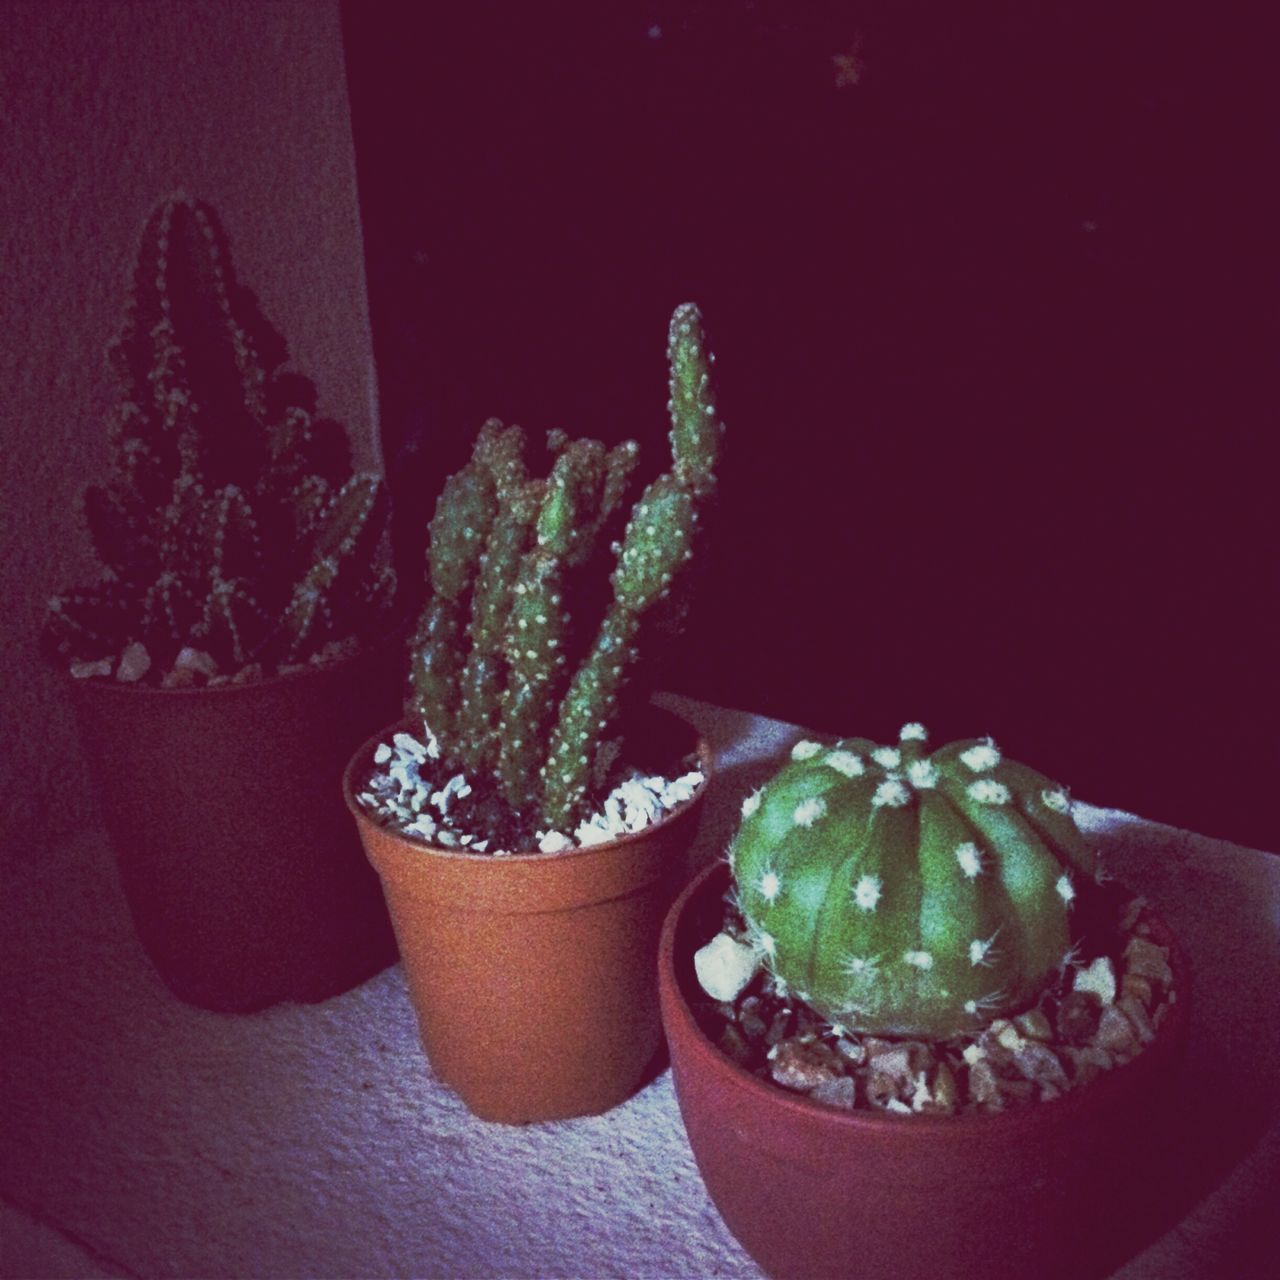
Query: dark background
x=994, y=326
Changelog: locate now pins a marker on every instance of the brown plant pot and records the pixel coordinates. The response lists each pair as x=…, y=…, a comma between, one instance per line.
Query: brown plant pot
x=1067, y=1188
x=532, y=974
x=244, y=880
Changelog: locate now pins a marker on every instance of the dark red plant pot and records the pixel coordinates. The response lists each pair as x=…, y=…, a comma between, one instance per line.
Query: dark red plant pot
x=246, y=884
x=1067, y=1188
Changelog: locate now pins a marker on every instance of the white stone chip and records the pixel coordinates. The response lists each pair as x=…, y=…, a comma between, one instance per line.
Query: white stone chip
x=725, y=966
x=423, y=825
x=913, y=732
x=554, y=842
x=86, y=670
x=195, y=660
x=1100, y=978
x=135, y=662
x=1008, y=1036
x=805, y=749
x=410, y=746
x=382, y=754
x=887, y=757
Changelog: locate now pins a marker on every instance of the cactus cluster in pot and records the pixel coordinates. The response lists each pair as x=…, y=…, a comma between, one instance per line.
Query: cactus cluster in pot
x=544, y=591
x=901, y=892
x=234, y=536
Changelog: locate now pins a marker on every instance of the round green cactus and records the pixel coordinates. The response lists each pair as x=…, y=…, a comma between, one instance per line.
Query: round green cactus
x=905, y=893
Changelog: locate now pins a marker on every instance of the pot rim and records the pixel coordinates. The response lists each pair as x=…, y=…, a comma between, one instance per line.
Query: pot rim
x=363, y=817
x=1075, y=1104
x=134, y=688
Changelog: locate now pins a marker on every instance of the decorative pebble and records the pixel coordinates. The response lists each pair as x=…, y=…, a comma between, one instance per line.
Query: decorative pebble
x=1144, y=959
x=86, y=670
x=798, y=1066
x=841, y=1092
x=1115, y=1032
x=1030, y=1058
x=725, y=966
x=1034, y=1024
x=1099, y=978
x=135, y=662
x=197, y=661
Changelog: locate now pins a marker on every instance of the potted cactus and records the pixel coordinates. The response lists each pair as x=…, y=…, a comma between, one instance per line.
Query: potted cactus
x=236, y=645
x=530, y=818
x=908, y=1010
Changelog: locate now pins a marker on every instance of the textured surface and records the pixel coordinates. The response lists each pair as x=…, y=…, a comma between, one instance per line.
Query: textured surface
x=106, y=108
x=314, y=1140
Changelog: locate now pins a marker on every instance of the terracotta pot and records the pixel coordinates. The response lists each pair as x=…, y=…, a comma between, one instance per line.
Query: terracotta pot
x=1065, y=1188
x=532, y=974
x=244, y=879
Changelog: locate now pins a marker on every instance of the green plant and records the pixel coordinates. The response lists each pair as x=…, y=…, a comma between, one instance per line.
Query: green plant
x=233, y=523
x=522, y=652
x=905, y=893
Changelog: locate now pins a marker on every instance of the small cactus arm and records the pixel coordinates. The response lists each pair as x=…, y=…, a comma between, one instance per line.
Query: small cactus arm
x=654, y=550
x=341, y=565
x=464, y=514
x=568, y=520
x=903, y=893
x=695, y=425
x=482, y=677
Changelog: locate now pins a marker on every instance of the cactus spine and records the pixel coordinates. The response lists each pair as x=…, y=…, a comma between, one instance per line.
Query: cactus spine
x=512, y=672
x=233, y=522
x=904, y=893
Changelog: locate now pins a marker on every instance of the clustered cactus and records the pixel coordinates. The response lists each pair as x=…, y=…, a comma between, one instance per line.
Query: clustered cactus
x=902, y=893
x=233, y=524
x=522, y=653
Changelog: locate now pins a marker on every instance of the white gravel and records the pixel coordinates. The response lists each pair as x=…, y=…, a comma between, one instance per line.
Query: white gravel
x=420, y=806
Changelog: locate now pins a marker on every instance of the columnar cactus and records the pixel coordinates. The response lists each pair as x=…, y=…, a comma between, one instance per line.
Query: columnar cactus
x=233, y=523
x=515, y=672
x=898, y=892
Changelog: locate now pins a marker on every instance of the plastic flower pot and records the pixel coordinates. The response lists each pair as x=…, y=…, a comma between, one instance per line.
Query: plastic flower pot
x=1067, y=1188
x=532, y=974
x=244, y=880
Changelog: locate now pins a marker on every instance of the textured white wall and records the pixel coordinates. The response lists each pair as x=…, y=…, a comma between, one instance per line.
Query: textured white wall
x=107, y=108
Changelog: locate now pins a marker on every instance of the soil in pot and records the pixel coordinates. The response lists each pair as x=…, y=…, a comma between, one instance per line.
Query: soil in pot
x=532, y=974
x=244, y=881
x=829, y=1153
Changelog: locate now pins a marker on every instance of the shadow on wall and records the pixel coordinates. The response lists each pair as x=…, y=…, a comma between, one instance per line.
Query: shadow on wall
x=984, y=295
